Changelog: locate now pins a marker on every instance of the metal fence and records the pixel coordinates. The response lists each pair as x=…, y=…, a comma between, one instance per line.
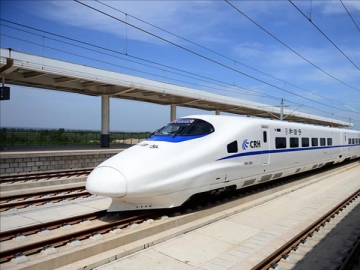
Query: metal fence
x=61, y=137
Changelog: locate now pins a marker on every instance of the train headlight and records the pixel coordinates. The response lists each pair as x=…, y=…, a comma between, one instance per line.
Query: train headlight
x=106, y=181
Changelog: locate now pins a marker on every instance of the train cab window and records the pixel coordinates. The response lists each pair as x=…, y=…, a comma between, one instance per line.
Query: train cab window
x=305, y=142
x=294, y=142
x=280, y=142
x=199, y=128
x=232, y=147
x=322, y=142
x=329, y=141
x=264, y=136
x=185, y=127
x=314, y=142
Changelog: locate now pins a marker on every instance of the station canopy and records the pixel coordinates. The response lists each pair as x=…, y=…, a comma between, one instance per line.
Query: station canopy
x=40, y=72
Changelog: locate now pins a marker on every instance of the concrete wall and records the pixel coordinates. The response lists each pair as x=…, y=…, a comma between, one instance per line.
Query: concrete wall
x=19, y=163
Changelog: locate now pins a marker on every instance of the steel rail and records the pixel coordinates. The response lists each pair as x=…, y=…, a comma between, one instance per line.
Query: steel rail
x=42, y=175
x=18, y=197
x=28, y=249
x=278, y=254
x=10, y=234
x=41, y=201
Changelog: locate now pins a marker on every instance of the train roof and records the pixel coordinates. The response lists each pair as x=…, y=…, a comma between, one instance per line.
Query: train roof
x=214, y=119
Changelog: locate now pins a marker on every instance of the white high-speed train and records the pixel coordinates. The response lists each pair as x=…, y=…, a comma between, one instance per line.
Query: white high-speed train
x=203, y=153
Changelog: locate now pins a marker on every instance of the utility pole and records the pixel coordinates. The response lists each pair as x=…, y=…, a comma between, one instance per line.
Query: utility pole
x=282, y=110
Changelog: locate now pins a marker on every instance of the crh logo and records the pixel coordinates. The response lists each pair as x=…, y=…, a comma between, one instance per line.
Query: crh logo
x=245, y=144
x=252, y=144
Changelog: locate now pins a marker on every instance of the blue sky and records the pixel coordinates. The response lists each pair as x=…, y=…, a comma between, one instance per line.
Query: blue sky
x=277, y=52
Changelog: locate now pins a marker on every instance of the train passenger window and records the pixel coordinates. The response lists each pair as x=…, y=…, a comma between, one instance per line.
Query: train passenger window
x=280, y=142
x=264, y=136
x=314, y=142
x=305, y=142
x=349, y=142
x=294, y=142
x=352, y=141
x=322, y=142
x=329, y=141
x=232, y=147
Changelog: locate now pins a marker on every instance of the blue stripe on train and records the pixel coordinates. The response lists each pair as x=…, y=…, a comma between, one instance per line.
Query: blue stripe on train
x=175, y=139
x=276, y=151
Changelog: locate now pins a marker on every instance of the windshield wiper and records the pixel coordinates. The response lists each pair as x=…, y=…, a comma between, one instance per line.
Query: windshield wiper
x=176, y=133
x=156, y=131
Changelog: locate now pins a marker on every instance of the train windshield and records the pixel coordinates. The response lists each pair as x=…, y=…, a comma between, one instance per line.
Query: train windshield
x=185, y=127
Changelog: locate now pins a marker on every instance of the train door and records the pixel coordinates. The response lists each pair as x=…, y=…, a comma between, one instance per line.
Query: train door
x=265, y=158
x=344, y=140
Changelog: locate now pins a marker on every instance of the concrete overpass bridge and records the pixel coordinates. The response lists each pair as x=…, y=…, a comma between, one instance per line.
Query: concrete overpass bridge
x=40, y=72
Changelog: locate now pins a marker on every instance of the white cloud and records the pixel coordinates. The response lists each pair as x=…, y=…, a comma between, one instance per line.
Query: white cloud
x=286, y=65
x=335, y=7
x=185, y=18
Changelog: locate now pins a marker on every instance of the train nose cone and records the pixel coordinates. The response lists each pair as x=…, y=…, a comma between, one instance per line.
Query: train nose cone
x=106, y=181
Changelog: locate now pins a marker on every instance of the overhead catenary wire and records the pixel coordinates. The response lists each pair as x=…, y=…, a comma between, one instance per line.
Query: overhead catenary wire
x=142, y=59
x=291, y=49
x=199, y=75
x=212, y=51
x=350, y=15
x=311, y=21
x=138, y=58
x=104, y=62
x=74, y=54
x=249, y=90
x=198, y=54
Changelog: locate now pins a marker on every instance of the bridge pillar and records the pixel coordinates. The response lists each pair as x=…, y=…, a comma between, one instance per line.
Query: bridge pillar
x=172, y=112
x=105, y=121
x=217, y=112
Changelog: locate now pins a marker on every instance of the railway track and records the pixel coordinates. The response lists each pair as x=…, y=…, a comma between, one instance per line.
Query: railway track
x=285, y=251
x=41, y=198
x=19, y=244
x=19, y=178
x=56, y=241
